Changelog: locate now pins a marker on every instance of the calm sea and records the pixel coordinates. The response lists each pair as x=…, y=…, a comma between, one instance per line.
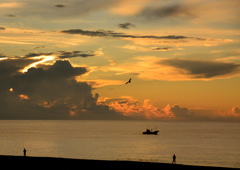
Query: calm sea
x=194, y=143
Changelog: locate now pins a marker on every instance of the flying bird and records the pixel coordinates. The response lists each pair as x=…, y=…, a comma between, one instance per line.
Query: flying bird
x=129, y=81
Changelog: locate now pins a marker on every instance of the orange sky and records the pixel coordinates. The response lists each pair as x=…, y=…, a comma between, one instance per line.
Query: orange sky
x=183, y=58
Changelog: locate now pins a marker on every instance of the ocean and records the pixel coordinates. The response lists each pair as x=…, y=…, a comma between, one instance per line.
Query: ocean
x=193, y=143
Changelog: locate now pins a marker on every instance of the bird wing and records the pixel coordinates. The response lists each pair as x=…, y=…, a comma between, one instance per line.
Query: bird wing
x=129, y=81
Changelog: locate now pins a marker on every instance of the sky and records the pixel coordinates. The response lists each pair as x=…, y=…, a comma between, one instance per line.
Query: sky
x=70, y=59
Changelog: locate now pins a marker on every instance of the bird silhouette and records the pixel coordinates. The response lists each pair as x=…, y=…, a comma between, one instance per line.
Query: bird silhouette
x=129, y=81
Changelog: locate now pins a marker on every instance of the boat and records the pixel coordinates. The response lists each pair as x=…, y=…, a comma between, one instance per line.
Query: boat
x=148, y=132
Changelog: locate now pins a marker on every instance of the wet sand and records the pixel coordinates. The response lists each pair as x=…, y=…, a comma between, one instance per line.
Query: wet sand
x=12, y=162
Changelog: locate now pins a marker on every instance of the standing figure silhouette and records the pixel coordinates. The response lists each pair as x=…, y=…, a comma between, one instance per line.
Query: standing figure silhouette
x=174, y=159
x=24, y=152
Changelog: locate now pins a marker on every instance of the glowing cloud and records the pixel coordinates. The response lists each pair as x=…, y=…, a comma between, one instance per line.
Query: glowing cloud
x=10, y=5
x=44, y=59
x=138, y=109
x=23, y=97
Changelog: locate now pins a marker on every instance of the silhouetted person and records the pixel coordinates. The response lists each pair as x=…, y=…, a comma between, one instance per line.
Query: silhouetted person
x=24, y=152
x=174, y=159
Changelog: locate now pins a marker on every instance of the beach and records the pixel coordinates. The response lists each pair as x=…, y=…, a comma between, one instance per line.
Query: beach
x=16, y=162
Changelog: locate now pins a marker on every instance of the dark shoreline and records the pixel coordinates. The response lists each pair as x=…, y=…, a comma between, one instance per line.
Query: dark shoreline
x=12, y=162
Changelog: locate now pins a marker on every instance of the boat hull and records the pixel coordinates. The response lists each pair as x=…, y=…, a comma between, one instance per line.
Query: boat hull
x=151, y=133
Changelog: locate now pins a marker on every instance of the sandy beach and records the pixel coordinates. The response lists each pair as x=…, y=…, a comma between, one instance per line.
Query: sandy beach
x=15, y=162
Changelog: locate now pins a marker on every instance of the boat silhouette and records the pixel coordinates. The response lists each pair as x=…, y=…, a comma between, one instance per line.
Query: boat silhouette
x=148, y=132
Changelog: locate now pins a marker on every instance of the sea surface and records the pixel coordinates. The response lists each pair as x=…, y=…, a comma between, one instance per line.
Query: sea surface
x=193, y=143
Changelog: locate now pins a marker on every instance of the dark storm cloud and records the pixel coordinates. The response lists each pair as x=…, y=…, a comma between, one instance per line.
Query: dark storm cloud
x=175, y=10
x=70, y=54
x=203, y=69
x=126, y=25
x=107, y=33
x=50, y=93
x=62, y=69
x=11, y=66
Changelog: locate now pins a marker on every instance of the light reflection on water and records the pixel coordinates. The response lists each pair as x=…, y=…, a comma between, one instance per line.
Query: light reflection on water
x=201, y=143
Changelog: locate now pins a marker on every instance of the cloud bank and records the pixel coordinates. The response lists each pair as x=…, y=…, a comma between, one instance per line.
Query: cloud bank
x=203, y=69
x=186, y=114
x=66, y=54
x=48, y=93
x=137, y=109
x=108, y=33
x=53, y=92
x=154, y=68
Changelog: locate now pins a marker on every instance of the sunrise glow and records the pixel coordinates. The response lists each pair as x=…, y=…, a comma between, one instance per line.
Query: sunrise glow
x=120, y=82
x=182, y=57
x=43, y=60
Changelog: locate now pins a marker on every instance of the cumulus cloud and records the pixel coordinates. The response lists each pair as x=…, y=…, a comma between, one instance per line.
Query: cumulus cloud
x=12, y=66
x=137, y=109
x=236, y=110
x=50, y=93
x=54, y=93
x=182, y=113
